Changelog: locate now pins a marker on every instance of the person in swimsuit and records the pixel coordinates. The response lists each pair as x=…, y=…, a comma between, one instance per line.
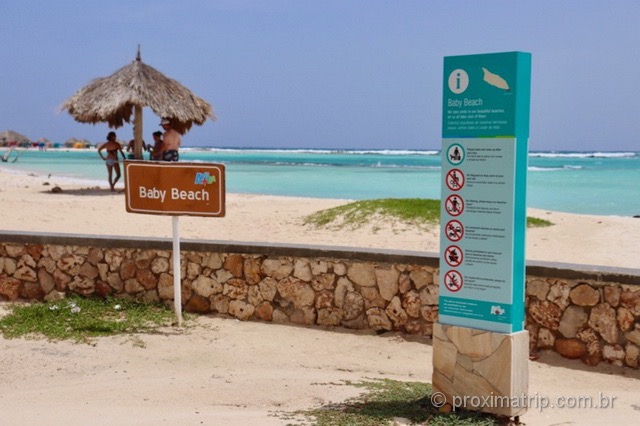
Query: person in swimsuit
x=171, y=141
x=155, y=152
x=131, y=152
x=111, y=160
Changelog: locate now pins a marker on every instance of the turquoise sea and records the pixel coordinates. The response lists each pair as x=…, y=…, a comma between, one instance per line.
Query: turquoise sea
x=600, y=183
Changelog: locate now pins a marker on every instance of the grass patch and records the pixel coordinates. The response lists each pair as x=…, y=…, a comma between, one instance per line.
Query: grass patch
x=534, y=222
x=383, y=401
x=411, y=210
x=81, y=319
x=416, y=211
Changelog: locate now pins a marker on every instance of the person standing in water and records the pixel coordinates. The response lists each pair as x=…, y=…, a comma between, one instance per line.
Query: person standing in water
x=112, y=146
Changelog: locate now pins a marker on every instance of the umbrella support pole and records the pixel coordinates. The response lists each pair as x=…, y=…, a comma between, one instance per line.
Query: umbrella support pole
x=177, y=288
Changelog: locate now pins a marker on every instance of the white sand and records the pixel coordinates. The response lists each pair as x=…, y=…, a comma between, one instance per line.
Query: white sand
x=227, y=372
x=26, y=204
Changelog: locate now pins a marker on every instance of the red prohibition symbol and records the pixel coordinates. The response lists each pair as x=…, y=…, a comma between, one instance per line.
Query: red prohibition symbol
x=454, y=230
x=455, y=179
x=453, y=281
x=453, y=256
x=454, y=205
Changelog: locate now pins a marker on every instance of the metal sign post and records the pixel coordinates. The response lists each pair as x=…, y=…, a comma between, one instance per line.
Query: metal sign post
x=177, y=279
x=175, y=189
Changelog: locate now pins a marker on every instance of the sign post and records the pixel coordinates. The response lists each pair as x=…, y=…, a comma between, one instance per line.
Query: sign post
x=177, y=288
x=175, y=189
x=485, y=130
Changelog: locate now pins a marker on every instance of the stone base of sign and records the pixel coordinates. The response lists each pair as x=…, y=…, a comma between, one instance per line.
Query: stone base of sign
x=481, y=370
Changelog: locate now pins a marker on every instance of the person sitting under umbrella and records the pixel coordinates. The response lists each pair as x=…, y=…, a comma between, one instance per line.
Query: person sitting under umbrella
x=112, y=146
x=156, y=151
x=131, y=149
x=171, y=141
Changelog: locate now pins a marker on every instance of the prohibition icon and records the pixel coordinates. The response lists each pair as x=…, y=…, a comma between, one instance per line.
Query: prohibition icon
x=454, y=205
x=453, y=281
x=453, y=256
x=454, y=230
x=455, y=179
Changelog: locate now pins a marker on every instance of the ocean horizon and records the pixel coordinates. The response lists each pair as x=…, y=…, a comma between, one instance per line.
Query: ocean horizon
x=593, y=182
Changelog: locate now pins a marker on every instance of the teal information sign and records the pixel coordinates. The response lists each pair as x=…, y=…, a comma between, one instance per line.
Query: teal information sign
x=485, y=130
x=486, y=95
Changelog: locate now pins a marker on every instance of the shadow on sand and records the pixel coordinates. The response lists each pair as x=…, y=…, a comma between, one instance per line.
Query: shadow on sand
x=55, y=190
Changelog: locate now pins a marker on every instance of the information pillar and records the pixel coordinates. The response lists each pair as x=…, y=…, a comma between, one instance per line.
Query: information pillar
x=485, y=130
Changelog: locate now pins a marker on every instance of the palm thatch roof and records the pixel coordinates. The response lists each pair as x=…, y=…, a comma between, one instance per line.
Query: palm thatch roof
x=113, y=99
x=11, y=136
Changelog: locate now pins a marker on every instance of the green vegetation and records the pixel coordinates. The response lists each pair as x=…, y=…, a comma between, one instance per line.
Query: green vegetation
x=81, y=319
x=385, y=400
x=413, y=211
x=534, y=222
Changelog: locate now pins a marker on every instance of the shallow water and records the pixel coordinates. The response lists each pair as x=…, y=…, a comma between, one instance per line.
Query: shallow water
x=600, y=183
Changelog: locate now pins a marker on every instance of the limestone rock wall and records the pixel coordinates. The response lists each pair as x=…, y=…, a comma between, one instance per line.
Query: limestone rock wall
x=590, y=320
x=584, y=319
x=326, y=292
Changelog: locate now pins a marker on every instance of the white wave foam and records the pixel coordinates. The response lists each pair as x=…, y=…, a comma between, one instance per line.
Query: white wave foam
x=595, y=154
x=315, y=151
x=553, y=169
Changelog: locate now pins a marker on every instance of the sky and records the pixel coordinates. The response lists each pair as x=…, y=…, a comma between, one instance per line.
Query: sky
x=339, y=74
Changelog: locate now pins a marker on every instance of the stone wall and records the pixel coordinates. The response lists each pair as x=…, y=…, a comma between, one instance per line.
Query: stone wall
x=586, y=319
x=588, y=315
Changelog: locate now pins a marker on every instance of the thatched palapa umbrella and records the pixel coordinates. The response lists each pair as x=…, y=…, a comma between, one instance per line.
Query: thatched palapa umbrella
x=113, y=99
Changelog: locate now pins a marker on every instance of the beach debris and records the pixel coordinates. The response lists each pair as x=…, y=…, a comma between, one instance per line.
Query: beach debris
x=46, y=184
x=56, y=189
x=72, y=306
x=7, y=154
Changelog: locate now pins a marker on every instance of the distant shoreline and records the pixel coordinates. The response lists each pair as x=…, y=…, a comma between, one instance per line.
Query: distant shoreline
x=584, y=183
x=392, y=151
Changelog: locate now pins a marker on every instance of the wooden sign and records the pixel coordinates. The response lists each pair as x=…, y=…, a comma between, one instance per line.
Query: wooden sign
x=175, y=188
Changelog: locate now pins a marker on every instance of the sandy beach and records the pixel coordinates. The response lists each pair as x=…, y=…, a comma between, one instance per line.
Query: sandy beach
x=220, y=371
x=27, y=204
x=225, y=372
